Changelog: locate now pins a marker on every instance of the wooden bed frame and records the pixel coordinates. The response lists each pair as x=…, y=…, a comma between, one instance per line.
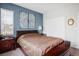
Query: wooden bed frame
x=56, y=51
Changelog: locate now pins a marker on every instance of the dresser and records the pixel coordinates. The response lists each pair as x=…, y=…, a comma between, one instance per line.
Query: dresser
x=7, y=45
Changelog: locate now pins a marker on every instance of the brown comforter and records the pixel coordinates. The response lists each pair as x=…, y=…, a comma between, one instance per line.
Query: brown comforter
x=37, y=45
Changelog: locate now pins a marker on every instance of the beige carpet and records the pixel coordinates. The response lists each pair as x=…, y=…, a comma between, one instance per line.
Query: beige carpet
x=74, y=52
x=18, y=52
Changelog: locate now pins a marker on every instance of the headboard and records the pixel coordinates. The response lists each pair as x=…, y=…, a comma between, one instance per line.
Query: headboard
x=19, y=33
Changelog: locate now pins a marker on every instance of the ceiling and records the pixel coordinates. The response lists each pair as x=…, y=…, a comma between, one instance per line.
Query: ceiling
x=47, y=7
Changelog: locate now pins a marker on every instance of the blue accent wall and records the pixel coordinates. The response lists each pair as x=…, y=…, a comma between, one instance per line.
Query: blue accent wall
x=17, y=9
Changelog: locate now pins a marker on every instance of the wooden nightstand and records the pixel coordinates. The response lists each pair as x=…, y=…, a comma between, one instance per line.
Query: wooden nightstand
x=7, y=45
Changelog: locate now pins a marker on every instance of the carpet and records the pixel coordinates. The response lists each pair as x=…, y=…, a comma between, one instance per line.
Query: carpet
x=18, y=52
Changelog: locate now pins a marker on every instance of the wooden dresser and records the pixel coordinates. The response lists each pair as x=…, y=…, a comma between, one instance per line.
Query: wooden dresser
x=7, y=45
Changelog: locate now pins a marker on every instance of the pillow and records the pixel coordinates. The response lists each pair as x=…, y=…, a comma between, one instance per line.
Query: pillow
x=33, y=34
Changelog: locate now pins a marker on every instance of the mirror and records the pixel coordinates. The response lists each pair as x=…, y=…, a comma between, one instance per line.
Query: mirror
x=70, y=21
x=31, y=20
x=23, y=20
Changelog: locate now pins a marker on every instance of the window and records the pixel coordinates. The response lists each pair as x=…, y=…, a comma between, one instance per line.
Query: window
x=6, y=22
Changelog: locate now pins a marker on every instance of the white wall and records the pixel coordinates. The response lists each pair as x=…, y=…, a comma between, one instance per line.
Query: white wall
x=55, y=24
x=55, y=27
x=77, y=30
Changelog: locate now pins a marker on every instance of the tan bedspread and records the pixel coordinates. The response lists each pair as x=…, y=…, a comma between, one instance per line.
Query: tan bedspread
x=37, y=45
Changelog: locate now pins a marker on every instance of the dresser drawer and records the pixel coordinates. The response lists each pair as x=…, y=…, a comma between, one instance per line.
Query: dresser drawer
x=7, y=45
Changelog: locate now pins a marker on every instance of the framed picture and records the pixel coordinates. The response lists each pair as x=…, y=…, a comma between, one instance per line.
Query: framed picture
x=31, y=20
x=23, y=20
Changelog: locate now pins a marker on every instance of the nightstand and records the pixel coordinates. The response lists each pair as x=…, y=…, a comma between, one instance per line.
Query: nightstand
x=7, y=45
x=1, y=37
x=43, y=34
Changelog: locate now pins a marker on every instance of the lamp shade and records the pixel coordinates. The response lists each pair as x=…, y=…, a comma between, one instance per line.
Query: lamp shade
x=39, y=27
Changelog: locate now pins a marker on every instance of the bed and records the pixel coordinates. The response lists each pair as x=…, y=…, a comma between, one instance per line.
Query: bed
x=34, y=44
